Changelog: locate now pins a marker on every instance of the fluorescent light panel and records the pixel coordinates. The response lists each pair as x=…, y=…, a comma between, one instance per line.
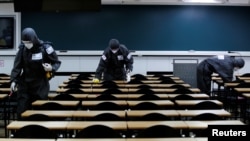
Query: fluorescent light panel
x=204, y=1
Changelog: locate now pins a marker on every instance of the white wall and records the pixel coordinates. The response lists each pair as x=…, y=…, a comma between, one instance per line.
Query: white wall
x=87, y=61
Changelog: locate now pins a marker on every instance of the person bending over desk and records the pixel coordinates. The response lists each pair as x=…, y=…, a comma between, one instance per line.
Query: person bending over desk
x=223, y=65
x=115, y=63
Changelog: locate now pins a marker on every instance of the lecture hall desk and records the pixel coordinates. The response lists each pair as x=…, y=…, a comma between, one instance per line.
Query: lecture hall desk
x=191, y=113
x=53, y=125
x=162, y=139
x=21, y=139
x=204, y=124
x=78, y=139
x=140, y=125
x=66, y=103
x=133, y=114
x=190, y=103
x=162, y=103
x=137, y=139
x=50, y=113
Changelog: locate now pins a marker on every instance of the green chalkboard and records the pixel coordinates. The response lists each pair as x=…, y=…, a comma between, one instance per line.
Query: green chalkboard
x=149, y=28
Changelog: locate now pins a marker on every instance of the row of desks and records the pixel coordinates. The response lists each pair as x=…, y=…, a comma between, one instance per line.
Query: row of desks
x=122, y=125
x=130, y=96
x=126, y=103
x=124, y=114
x=126, y=90
x=110, y=139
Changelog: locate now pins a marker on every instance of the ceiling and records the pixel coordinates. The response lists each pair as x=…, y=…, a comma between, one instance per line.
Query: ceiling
x=174, y=2
x=164, y=2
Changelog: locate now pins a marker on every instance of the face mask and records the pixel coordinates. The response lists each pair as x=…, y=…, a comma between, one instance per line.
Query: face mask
x=28, y=45
x=114, y=51
x=236, y=69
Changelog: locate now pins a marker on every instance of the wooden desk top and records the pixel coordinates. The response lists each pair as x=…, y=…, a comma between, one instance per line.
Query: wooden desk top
x=3, y=96
x=243, y=78
x=204, y=124
x=77, y=96
x=78, y=125
x=193, y=102
x=158, y=102
x=20, y=139
x=247, y=95
x=50, y=113
x=62, y=102
x=162, y=139
x=95, y=102
x=196, y=96
x=138, y=113
x=145, y=124
x=4, y=81
x=135, y=96
x=93, y=113
x=242, y=90
x=81, y=139
x=156, y=90
x=100, y=90
x=53, y=125
x=5, y=89
x=191, y=113
x=118, y=96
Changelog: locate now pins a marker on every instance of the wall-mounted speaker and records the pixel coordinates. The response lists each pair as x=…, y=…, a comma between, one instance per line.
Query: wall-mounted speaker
x=56, y=5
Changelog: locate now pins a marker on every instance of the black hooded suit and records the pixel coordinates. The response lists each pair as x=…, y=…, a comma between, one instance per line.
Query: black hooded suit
x=223, y=65
x=113, y=66
x=28, y=71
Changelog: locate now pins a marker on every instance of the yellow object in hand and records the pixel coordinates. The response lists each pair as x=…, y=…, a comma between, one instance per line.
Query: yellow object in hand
x=95, y=80
x=48, y=75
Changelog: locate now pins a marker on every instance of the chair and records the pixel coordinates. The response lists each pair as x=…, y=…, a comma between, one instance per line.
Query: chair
x=55, y=106
x=73, y=91
x=106, y=97
x=145, y=91
x=35, y=131
x=64, y=97
x=106, y=117
x=183, y=91
x=75, y=81
x=135, y=81
x=179, y=86
x=109, y=84
x=207, y=116
x=206, y=105
x=37, y=117
x=50, y=106
x=144, y=86
x=73, y=85
x=107, y=106
x=167, y=80
x=183, y=97
x=98, y=131
x=139, y=77
x=149, y=97
x=112, y=91
x=154, y=117
x=158, y=131
x=146, y=106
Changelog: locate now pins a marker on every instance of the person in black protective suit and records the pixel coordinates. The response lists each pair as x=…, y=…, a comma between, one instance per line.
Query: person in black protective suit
x=223, y=65
x=116, y=62
x=34, y=65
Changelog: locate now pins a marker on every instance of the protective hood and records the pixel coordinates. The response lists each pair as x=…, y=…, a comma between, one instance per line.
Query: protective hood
x=114, y=44
x=29, y=34
x=239, y=62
